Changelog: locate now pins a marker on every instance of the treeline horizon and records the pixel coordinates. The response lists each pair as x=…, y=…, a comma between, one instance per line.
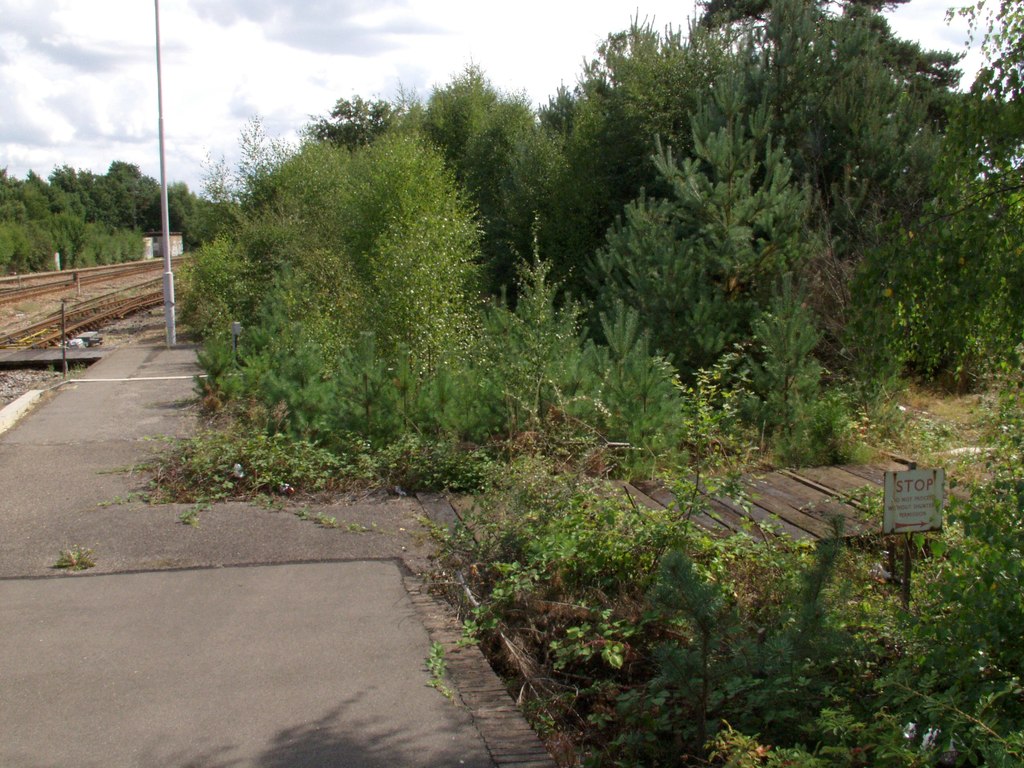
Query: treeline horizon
x=90, y=218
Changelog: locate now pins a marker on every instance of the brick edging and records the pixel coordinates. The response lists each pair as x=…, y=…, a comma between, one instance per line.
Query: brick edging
x=511, y=742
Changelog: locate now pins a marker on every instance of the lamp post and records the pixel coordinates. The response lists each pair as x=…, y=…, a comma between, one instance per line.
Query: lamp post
x=166, y=238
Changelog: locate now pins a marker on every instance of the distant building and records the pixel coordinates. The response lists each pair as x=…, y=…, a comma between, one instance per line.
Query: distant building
x=152, y=241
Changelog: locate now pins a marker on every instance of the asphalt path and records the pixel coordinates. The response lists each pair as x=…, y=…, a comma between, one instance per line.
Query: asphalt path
x=256, y=638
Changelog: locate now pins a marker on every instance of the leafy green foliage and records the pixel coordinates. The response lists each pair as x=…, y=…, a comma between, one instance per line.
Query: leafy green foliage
x=437, y=666
x=216, y=466
x=373, y=241
x=795, y=141
x=786, y=376
x=89, y=219
x=803, y=424
x=971, y=658
x=944, y=296
x=642, y=83
x=698, y=266
x=354, y=122
x=491, y=142
x=663, y=632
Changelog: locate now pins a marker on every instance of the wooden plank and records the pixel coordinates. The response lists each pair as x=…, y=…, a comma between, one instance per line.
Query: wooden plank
x=661, y=498
x=774, y=525
x=816, y=503
x=832, y=479
x=889, y=465
x=757, y=514
x=875, y=471
x=656, y=491
x=873, y=474
x=733, y=515
x=797, y=494
x=780, y=504
x=721, y=511
x=639, y=496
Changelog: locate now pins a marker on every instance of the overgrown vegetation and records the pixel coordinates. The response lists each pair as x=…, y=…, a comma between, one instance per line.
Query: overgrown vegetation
x=719, y=250
x=655, y=643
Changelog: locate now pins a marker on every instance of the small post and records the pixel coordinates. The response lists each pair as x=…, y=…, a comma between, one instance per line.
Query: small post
x=63, y=336
x=907, y=561
x=905, y=585
x=236, y=331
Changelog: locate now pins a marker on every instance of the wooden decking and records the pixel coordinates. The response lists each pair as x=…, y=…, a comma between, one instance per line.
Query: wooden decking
x=797, y=503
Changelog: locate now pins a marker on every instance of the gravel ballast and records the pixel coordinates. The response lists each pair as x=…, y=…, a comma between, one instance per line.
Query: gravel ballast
x=13, y=384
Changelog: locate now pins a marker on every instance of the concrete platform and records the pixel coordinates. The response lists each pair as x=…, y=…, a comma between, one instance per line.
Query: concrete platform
x=293, y=665
x=49, y=358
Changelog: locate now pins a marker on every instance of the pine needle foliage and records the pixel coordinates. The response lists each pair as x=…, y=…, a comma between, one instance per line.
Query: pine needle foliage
x=698, y=266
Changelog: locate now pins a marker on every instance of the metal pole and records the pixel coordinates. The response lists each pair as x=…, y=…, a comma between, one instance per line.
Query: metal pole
x=64, y=336
x=166, y=240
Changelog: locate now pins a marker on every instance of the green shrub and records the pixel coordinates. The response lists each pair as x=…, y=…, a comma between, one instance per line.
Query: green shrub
x=216, y=465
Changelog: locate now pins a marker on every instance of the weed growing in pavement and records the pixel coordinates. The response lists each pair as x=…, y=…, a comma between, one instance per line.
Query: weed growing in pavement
x=131, y=498
x=332, y=522
x=437, y=666
x=219, y=466
x=75, y=559
x=191, y=516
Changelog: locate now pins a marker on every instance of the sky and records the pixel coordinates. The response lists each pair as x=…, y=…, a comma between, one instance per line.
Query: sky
x=78, y=79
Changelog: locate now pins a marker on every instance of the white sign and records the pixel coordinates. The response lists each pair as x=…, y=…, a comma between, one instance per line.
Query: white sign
x=913, y=500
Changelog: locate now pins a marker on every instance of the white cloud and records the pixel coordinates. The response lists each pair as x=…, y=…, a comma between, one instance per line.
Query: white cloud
x=79, y=79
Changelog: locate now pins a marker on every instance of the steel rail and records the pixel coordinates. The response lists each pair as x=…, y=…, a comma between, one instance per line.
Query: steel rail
x=21, y=287
x=86, y=315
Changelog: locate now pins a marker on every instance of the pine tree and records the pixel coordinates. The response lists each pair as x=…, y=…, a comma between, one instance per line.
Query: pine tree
x=785, y=375
x=697, y=267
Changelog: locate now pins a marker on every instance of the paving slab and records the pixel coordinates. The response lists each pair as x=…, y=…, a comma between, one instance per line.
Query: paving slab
x=71, y=476
x=293, y=665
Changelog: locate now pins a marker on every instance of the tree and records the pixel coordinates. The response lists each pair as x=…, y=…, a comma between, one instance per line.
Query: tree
x=38, y=198
x=491, y=142
x=945, y=293
x=11, y=206
x=373, y=240
x=126, y=197
x=642, y=84
x=698, y=267
x=860, y=113
x=354, y=123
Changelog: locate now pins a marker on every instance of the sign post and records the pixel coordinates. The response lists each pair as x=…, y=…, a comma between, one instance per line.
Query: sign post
x=913, y=504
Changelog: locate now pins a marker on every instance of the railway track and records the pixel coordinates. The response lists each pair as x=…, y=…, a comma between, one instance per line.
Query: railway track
x=85, y=316
x=16, y=288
